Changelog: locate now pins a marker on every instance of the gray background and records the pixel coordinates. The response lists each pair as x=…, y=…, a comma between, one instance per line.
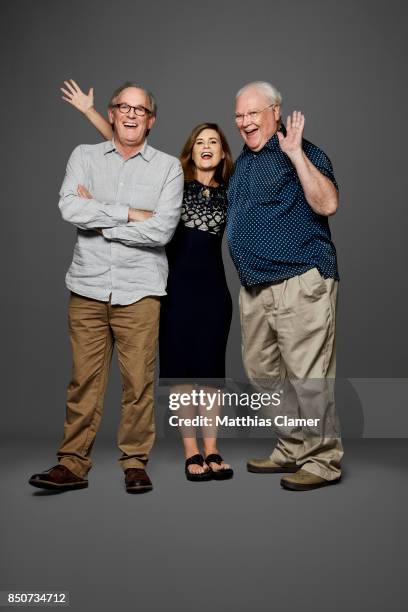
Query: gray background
x=343, y=64
x=245, y=544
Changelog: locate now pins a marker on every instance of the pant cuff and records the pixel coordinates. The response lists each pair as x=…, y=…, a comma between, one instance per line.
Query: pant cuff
x=314, y=468
x=133, y=463
x=280, y=459
x=73, y=467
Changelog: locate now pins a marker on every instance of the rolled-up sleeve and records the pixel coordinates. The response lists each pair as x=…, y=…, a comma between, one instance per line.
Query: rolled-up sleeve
x=86, y=213
x=159, y=229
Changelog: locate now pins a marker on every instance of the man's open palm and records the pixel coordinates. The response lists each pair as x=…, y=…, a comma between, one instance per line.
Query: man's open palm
x=292, y=142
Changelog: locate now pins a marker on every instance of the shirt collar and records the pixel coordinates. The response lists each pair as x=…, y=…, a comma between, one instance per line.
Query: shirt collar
x=146, y=151
x=273, y=143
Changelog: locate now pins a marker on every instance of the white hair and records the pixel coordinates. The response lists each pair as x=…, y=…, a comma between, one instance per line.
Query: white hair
x=271, y=93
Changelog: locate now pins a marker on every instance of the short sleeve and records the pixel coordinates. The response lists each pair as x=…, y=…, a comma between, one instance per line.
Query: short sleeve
x=320, y=160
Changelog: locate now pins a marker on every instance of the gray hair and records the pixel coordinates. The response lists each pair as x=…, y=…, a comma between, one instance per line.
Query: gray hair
x=271, y=93
x=150, y=96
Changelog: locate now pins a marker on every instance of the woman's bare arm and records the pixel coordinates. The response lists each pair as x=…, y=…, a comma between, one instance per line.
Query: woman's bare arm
x=83, y=102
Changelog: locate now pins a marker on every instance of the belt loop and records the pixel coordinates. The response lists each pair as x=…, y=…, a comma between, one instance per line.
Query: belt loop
x=284, y=284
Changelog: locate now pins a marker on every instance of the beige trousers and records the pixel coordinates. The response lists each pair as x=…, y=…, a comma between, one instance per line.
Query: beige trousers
x=95, y=327
x=288, y=344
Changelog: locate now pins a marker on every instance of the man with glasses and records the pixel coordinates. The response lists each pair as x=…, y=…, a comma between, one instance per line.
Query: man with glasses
x=124, y=198
x=280, y=197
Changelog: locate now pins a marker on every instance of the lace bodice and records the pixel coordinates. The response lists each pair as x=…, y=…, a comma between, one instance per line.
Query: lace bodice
x=204, y=208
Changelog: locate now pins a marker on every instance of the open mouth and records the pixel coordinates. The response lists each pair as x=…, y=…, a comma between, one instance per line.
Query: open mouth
x=251, y=132
x=206, y=155
x=130, y=125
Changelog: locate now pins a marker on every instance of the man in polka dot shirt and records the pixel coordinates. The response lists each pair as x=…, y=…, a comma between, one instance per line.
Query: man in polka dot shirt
x=280, y=197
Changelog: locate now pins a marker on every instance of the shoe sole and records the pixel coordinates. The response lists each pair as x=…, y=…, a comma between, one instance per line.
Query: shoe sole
x=266, y=470
x=289, y=486
x=44, y=484
x=222, y=474
x=141, y=489
x=205, y=477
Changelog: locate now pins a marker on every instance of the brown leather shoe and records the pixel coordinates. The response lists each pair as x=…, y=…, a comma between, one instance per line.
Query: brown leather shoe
x=305, y=481
x=137, y=481
x=59, y=478
x=267, y=466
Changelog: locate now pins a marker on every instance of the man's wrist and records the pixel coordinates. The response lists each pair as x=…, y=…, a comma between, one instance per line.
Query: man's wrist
x=136, y=214
x=296, y=157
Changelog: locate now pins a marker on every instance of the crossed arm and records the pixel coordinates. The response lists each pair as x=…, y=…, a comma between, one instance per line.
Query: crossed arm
x=89, y=214
x=158, y=229
x=116, y=221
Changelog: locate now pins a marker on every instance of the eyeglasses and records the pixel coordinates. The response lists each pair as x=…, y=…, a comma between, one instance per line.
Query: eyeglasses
x=253, y=115
x=125, y=108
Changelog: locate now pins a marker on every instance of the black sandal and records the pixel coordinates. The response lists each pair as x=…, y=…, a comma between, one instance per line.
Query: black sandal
x=198, y=460
x=222, y=474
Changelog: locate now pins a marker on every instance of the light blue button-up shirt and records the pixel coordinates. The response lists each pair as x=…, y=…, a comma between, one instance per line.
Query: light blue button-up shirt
x=127, y=262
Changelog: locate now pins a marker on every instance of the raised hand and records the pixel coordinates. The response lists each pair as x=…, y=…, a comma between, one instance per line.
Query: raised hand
x=291, y=144
x=74, y=95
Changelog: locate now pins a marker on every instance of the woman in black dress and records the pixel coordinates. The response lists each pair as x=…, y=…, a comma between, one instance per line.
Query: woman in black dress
x=196, y=314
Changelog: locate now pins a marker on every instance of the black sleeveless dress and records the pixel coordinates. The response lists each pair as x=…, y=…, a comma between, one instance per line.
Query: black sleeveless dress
x=196, y=313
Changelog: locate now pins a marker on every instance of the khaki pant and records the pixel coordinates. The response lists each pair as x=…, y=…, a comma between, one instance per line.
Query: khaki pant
x=95, y=327
x=288, y=343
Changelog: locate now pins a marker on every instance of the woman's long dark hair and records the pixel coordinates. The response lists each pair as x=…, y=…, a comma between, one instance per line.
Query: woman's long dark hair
x=223, y=170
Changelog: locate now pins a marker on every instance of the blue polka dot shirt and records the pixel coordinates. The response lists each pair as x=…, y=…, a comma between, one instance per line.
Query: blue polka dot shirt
x=273, y=233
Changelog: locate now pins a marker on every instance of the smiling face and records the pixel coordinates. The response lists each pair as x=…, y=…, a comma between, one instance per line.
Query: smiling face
x=207, y=150
x=256, y=131
x=130, y=129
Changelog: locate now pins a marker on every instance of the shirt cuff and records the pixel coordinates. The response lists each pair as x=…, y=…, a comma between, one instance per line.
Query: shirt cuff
x=108, y=233
x=119, y=213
